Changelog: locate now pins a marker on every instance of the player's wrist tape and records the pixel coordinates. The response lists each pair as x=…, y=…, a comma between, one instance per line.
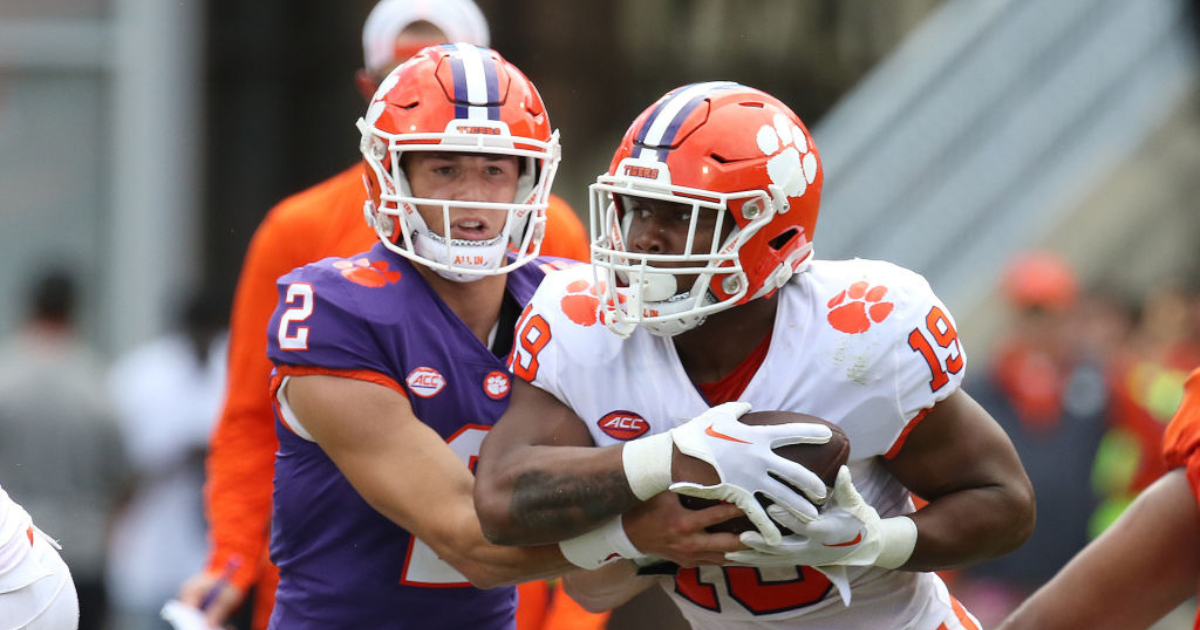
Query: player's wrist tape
x=647, y=464
x=899, y=537
x=603, y=545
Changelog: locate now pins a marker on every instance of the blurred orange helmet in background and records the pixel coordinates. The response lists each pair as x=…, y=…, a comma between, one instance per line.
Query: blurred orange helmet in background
x=1040, y=280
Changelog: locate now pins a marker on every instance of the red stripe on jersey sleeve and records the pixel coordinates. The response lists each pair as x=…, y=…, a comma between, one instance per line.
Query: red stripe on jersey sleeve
x=912, y=424
x=369, y=376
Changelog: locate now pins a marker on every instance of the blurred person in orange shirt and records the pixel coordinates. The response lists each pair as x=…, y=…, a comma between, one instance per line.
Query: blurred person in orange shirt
x=326, y=220
x=1148, y=562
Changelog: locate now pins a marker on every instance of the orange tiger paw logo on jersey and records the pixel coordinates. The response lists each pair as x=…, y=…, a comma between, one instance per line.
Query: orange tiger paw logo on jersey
x=581, y=304
x=367, y=273
x=855, y=309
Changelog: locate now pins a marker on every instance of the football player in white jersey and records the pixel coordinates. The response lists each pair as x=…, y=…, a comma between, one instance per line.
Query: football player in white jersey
x=36, y=589
x=704, y=290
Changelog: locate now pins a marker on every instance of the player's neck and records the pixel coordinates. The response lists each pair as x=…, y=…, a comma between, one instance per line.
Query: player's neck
x=725, y=339
x=476, y=303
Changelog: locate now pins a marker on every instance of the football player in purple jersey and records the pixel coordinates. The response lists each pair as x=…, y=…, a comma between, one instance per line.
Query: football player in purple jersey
x=390, y=368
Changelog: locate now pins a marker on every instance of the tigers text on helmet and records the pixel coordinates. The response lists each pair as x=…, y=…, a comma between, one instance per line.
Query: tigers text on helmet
x=712, y=147
x=457, y=98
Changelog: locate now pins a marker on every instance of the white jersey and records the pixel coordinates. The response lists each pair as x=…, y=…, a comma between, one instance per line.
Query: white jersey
x=36, y=590
x=14, y=533
x=863, y=344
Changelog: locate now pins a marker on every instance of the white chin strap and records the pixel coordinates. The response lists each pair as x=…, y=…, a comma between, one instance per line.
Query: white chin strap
x=670, y=326
x=654, y=296
x=652, y=286
x=461, y=253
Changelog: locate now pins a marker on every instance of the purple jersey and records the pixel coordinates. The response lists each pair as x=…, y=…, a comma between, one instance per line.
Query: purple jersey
x=342, y=564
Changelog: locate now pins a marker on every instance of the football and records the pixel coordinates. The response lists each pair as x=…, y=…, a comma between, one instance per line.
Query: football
x=824, y=460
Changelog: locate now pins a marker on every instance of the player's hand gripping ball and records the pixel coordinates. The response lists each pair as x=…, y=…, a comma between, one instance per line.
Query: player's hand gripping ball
x=824, y=460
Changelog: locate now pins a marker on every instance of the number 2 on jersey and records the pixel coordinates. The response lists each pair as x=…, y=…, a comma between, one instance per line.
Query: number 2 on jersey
x=300, y=294
x=946, y=337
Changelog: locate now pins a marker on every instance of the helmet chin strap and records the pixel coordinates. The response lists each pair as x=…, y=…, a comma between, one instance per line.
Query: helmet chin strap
x=672, y=326
x=656, y=292
x=469, y=255
x=651, y=286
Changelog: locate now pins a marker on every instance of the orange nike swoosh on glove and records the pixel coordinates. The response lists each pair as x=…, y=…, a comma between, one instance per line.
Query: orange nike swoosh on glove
x=717, y=434
x=857, y=539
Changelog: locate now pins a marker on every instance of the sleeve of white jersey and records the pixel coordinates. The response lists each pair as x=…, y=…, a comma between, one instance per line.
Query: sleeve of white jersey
x=929, y=359
x=537, y=350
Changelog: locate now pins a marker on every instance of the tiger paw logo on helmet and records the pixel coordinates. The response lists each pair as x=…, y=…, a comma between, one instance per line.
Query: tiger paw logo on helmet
x=792, y=166
x=367, y=273
x=865, y=306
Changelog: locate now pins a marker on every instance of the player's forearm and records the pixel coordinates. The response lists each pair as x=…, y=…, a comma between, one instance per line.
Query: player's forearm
x=547, y=494
x=457, y=538
x=1153, y=550
x=970, y=526
x=490, y=566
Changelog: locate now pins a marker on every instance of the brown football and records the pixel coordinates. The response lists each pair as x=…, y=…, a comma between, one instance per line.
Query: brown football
x=822, y=459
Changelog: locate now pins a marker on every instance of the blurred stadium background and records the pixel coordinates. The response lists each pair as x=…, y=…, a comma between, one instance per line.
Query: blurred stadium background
x=142, y=141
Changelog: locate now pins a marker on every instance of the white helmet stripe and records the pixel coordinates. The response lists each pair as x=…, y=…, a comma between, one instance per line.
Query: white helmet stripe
x=476, y=79
x=476, y=85
x=663, y=122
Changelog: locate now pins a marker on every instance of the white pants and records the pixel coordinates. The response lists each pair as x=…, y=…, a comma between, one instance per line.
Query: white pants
x=38, y=594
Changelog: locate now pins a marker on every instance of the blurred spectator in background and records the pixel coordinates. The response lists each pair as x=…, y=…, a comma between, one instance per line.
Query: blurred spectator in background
x=1048, y=387
x=167, y=394
x=60, y=446
x=1147, y=563
x=323, y=221
x=1162, y=350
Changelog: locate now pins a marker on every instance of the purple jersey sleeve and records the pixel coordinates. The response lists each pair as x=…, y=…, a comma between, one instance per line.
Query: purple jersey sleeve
x=325, y=315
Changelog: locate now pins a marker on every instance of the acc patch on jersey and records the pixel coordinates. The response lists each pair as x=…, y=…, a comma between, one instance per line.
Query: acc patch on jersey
x=425, y=382
x=623, y=425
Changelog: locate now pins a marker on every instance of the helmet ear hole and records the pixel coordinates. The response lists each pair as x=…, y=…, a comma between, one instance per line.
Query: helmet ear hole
x=781, y=241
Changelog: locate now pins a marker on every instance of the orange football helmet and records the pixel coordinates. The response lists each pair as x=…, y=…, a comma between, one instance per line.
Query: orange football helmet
x=715, y=147
x=458, y=98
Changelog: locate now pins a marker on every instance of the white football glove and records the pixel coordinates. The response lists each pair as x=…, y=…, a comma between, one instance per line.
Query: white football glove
x=743, y=459
x=847, y=532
